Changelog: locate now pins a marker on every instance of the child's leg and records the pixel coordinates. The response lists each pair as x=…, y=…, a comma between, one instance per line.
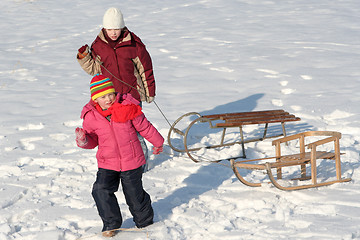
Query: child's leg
x=107, y=183
x=137, y=199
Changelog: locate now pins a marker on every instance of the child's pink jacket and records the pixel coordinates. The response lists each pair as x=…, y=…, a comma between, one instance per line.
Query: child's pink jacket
x=119, y=148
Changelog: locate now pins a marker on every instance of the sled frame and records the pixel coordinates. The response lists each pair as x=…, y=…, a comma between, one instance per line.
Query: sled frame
x=232, y=120
x=299, y=159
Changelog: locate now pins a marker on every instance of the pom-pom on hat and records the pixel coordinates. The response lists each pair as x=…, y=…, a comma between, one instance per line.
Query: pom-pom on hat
x=100, y=85
x=113, y=19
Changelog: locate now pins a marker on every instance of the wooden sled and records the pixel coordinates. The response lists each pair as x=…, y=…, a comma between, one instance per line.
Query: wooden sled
x=300, y=159
x=230, y=120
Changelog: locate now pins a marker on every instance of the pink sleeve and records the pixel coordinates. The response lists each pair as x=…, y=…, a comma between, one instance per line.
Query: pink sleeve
x=148, y=131
x=92, y=138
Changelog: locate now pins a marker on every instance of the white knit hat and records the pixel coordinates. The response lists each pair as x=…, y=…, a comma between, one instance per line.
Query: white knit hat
x=113, y=19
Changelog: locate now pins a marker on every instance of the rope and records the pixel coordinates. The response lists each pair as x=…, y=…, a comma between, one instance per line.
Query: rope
x=139, y=89
x=161, y=112
x=204, y=159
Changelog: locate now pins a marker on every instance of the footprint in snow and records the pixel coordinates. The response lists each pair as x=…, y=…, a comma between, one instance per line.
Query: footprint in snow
x=284, y=83
x=286, y=91
x=73, y=124
x=27, y=143
x=274, y=74
x=221, y=69
x=277, y=102
x=306, y=77
x=31, y=127
x=267, y=71
x=296, y=108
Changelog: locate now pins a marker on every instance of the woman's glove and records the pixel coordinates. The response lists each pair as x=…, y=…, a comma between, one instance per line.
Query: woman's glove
x=81, y=139
x=83, y=51
x=158, y=150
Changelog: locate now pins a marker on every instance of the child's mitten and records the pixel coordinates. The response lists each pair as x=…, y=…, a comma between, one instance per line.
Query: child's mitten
x=158, y=150
x=81, y=139
x=83, y=51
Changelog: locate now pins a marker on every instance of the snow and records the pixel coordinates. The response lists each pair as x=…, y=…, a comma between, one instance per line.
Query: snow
x=209, y=56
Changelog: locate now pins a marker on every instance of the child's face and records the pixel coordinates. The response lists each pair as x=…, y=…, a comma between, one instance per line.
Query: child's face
x=113, y=34
x=106, y=101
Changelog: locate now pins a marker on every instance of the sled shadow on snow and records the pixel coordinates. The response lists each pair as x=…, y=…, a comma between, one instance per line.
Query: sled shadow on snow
x=211, y=176
x=243, y=105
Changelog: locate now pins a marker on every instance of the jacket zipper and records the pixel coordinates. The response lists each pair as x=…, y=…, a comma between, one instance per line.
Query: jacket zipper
x=114, y=136
x=118, y=68
x=116, y=142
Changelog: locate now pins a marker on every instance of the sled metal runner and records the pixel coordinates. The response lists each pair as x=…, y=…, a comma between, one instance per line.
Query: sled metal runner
x=300, y=159
x=231, y=120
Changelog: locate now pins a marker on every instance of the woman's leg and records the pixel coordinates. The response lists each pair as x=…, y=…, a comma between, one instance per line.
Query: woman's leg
x=145, y=149
x=107, y=183
x=137, y=199
x=146, y=152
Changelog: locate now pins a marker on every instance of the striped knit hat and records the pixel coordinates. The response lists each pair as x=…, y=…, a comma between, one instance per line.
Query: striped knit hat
x=100, y=85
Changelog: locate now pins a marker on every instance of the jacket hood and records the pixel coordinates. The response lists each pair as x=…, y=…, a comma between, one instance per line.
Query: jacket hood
x=126, y=39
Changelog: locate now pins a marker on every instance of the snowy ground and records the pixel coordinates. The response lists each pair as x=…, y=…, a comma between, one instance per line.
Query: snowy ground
x=210, y=56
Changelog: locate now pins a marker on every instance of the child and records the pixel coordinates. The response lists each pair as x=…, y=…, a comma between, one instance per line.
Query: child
x=111, y=122
x=120, y=55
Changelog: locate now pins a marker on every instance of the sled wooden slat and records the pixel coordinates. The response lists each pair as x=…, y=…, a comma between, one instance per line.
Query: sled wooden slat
x=240, y=119
x=244, y=114
x=299, y=159
x=237, y=122
x=260, y=117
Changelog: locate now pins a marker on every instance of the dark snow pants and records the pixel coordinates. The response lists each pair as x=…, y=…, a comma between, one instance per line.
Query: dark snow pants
x=139, y=202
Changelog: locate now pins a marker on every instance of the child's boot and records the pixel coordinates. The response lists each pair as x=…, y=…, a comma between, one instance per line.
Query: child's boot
x=109, y=233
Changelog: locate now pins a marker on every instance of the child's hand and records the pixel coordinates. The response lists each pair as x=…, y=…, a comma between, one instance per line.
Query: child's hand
x=158, y=150
x=80, y=136
x=83, y=51
x=150, y=99
x=83, y=48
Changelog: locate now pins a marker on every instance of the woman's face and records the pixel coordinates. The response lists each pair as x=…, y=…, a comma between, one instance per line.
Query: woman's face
x=113, y=34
